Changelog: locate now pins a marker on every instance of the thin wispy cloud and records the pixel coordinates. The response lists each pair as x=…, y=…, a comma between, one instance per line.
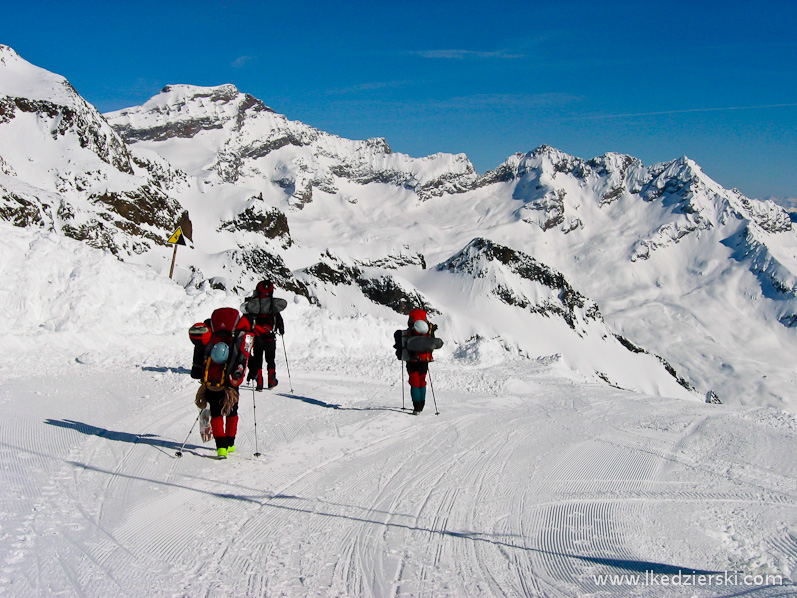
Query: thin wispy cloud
x=684, y=111
x=241, y=62
x=371, y=86
x=474, y=102
x=464, y=54
x=487, y=100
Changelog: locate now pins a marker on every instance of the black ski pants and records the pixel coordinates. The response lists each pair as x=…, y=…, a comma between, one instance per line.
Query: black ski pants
x=265, y=346
x=215, y=400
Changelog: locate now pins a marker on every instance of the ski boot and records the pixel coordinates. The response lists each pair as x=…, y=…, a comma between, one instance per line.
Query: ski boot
x=418, y=395
x=272, y=379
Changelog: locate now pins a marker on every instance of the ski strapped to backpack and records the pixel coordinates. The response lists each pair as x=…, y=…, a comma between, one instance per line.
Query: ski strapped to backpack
x=263, y=305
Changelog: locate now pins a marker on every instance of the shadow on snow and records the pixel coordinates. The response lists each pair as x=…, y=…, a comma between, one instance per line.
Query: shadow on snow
x=149, y=439
x=164, y=368
x=337, y=406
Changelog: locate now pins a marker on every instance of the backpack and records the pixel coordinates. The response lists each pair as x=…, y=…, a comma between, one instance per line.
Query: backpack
x=400, y=345
x=415, y=315
x=410, y=346
x=222, y=346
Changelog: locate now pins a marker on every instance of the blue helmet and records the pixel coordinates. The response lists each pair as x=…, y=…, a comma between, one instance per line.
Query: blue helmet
x=219, y=353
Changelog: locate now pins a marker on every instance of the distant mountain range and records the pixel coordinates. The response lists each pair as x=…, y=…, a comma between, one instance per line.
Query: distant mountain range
x=653, y=278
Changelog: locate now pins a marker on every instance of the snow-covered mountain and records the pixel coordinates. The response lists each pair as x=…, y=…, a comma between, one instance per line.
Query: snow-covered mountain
x=63, y=167
x=652, y=278
x=245, y=142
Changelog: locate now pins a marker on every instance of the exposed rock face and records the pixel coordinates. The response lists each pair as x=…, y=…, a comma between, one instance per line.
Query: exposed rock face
x=271, y=223
x=91, y=130
x=177, y=118
x=379, y=287
x=479, y=259
x=22, y=211
x=393, y=262
x=263, y=264
x=670, y=369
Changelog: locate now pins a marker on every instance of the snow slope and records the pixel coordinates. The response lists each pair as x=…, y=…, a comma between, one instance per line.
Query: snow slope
x=530, y=482
x=662, y=256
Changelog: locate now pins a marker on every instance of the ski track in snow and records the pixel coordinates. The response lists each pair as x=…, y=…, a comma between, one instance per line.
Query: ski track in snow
x=504, y=494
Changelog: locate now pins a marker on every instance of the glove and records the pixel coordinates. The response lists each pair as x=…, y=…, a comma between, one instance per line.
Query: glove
x=281, y=331
x=262, y=329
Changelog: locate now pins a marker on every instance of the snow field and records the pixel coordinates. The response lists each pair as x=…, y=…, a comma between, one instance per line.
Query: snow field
x=505, y=493
x=531, y=481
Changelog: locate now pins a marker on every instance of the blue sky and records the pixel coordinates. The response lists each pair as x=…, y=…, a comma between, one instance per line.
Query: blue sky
x=716, y=81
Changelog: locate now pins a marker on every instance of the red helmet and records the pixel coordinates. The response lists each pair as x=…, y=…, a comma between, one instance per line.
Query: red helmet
x=264, y=288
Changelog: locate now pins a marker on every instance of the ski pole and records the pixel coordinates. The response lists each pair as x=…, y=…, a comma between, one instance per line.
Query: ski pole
x=401, y=383
x=179, y=452
x=254, y=415
x=436, y=412
x=287, y=367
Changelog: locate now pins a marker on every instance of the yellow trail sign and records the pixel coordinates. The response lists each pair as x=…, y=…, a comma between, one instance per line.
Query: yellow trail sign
x=176, y=239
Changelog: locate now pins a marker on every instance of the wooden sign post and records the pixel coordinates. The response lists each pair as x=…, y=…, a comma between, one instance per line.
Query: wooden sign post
x=176, y=239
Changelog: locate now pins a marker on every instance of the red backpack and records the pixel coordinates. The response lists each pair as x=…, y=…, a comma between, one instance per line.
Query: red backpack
x=222, y=346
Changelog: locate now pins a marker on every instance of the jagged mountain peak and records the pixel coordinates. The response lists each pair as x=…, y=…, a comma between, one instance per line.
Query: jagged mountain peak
x=60, y=111
x=250, y=143
x=184, y=111
x=221, y=100
x=505, y=267
x=614, y=162
x=547, y=160
x=227, y=91
x=683, y=169
x=66, y=168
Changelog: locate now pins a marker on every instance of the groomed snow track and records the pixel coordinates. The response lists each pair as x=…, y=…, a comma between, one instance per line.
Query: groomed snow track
x=535, y=493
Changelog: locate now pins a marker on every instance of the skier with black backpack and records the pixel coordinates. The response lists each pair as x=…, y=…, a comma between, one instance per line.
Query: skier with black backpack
x=262, y=310
x=222, y=345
